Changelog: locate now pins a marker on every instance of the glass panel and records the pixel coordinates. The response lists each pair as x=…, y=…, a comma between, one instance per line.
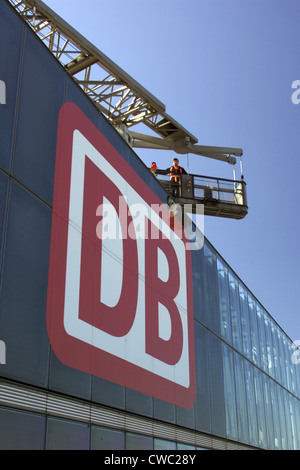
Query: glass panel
x=229, y=394
x=197, y=268
x=282, y=417
x=245, y=323
x=291, y=367
x=216, y=386
x=295, y=358
x=224, y=301
x=295, y=371
x=250, y=396
x=211, y=290
x=203, y=402
x=282, y=365
x=138, y=442
x=287, y=355
x=289, y=425
x=20, y=430
x=241, y=403
x=297, y=421
x=268, y=411
x=262, y=339
x=293, y=422
x=277, y=369
x=269, y=345
x=185, y=447
x=276, y=414
x=107, y=439
x=255, y=348
x=163, y=444
x=67, y=435
x=259, y=402
x=235, y=312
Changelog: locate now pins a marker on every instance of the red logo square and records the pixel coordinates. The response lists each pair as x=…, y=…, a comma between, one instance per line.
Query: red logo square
x=119, y=300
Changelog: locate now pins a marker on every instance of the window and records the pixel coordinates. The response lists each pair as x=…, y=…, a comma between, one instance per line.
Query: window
x=107, y=439
x=225, y=321
x=229, y=392
x=138, y=442
x=235, y=312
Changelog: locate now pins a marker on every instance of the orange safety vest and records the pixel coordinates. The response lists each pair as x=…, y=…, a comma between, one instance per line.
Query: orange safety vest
x=175, y=176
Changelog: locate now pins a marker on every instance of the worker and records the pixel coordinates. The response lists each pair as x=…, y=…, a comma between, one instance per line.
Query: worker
x=176, y=171
x=175, y=175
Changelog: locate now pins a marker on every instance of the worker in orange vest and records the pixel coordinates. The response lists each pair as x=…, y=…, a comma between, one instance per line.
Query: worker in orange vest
x=175, y=175
x=176, y=171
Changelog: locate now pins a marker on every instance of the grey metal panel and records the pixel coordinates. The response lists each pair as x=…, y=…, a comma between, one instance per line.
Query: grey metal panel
x=139, y=403
x=36, y=128
x=164, y=411
x=108, y=393
x=24, y=288
x=75, y=95
x=11, y=43
x=3, y=208
x=67, y=380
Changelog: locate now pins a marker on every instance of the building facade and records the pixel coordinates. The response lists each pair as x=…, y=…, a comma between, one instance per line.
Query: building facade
x=75, y=383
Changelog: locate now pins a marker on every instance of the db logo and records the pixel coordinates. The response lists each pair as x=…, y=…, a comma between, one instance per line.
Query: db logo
x=119, y=300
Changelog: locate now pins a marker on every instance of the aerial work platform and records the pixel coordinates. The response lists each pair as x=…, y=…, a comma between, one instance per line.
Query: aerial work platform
x=220, y=197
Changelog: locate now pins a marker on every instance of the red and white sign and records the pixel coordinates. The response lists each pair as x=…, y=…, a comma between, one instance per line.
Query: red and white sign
x=119, y=307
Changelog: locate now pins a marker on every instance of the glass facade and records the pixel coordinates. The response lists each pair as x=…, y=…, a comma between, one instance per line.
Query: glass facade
x=247, y=385
x=20, y=430
x=261, y=380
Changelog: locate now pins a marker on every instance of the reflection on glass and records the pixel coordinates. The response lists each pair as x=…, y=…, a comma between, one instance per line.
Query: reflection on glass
x=251, y=403
x=229, y=394
x=235, y=312
x=163, y=444
x=225, y=321
x=138, y=442
x=241, y=403
x=185, y=447
x=107, y=439
x=245, y=322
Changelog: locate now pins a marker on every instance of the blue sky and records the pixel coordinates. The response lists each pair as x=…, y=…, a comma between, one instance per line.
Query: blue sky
x=224, y=69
